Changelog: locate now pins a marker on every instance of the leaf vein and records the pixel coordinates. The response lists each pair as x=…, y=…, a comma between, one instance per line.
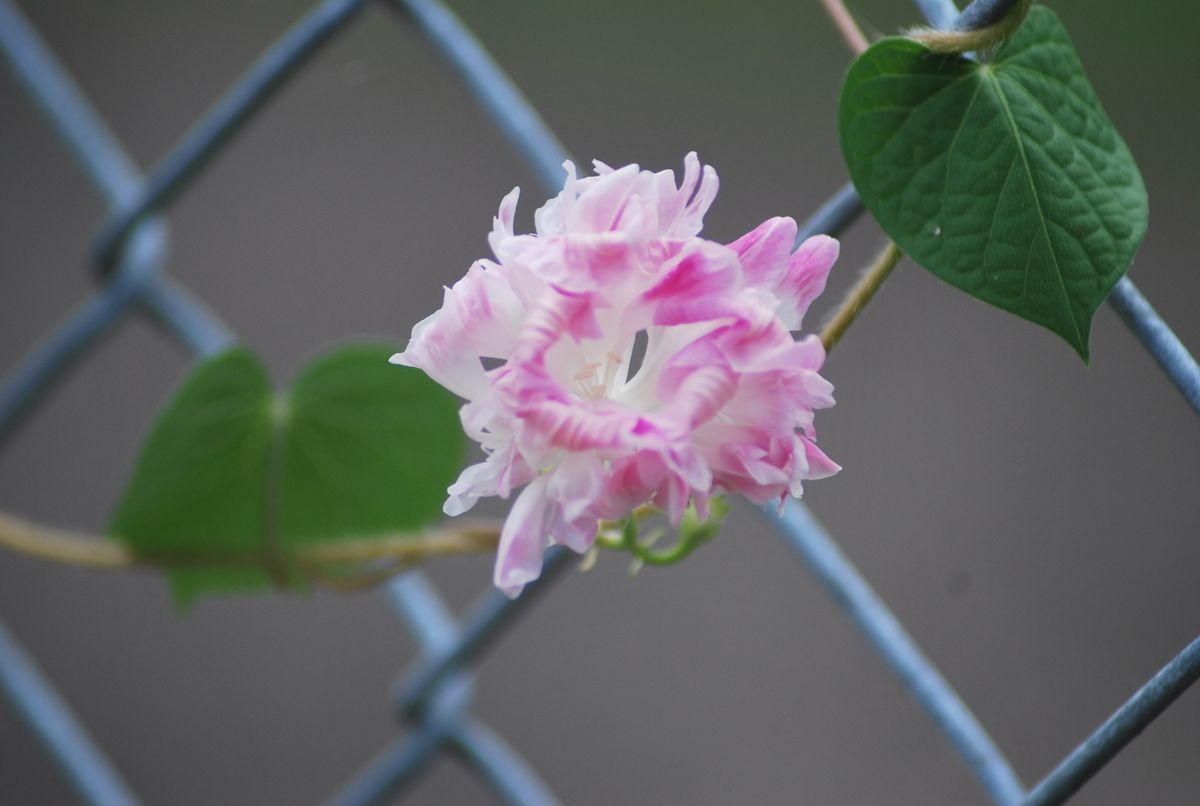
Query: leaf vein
x=1037, y=203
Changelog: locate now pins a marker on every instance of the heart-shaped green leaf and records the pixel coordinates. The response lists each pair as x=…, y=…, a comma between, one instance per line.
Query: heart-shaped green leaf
x=1005, y=179
x=233, y=472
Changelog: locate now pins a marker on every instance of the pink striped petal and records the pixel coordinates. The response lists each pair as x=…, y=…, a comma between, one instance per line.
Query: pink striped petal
x=764, y=252
x=523, y=539
x=807, y=271
x=723, y=399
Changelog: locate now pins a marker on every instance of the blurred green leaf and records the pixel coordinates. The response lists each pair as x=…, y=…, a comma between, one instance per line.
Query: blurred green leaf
x=233, y=473
x=200, y=483
x=370, y=447
x=1005, y=179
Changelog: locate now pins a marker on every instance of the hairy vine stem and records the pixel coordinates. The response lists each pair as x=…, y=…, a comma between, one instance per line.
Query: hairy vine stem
x=860, y=295
x=965, y=41
x=341, y=564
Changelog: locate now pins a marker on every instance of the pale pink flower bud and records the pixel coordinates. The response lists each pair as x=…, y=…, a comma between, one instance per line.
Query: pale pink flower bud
x=723, y=399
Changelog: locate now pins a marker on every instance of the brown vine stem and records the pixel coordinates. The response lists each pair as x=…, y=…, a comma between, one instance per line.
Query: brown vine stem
x=343, y=564
x=860, y=295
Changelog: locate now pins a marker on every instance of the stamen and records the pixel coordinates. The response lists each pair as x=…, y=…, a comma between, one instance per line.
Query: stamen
x=588, y=371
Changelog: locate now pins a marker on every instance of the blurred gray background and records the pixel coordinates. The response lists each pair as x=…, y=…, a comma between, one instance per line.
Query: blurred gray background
x=1034, y=522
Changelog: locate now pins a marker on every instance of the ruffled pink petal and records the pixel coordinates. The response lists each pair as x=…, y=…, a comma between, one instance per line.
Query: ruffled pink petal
x=697, y=382
x=523, y=539
x=698, y=284
x=807, y=271
x=559, y=312
x=478, y=317
x=764, y=252
x=598, y=260
x=808, y=353
x=672, y=497
x=753, y=462
x=581, y=262
x=820, y=466
x=475, y=482
x=632, y=481
x=755, y=339
x=762, y=400
x=578, y=535
x=607, y=200
x=495, y=476
x=576, y=427
x=442, y=354
x=502, y=224
x=698, y=190
x=758, y=469
x=550, y=218
x=575, y=484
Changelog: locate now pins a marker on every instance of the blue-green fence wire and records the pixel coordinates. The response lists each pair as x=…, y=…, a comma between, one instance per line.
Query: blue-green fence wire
x=434, y=697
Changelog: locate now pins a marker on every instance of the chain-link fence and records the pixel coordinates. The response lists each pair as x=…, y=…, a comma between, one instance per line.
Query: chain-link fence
x=434, y=698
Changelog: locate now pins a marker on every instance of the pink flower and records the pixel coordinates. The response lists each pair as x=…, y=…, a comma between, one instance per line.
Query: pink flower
x=724, y=396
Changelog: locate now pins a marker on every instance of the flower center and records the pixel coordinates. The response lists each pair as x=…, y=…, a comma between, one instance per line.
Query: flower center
x=597, y=380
